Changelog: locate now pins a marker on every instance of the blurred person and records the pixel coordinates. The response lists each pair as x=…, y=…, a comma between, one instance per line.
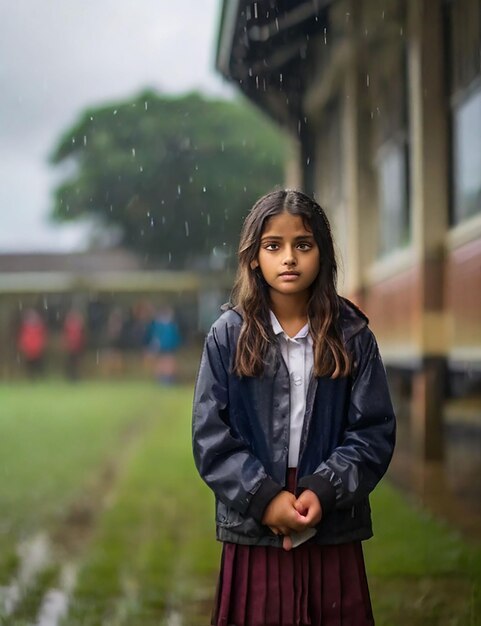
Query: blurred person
x=293, y=427
x=73, y=338
x=32, y=342
x=163, y=341
x=114, y=336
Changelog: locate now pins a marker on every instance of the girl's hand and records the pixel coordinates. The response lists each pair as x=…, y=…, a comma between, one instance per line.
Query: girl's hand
x=309, y=507
x=281, y=514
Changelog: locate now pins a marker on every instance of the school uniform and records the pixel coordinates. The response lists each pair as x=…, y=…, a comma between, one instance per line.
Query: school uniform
x=254, y=437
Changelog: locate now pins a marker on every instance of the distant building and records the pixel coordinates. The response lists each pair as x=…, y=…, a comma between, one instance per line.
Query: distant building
x=95, y=283
x=382, y=99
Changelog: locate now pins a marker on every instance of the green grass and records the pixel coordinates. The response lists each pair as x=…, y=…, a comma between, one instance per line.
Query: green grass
x=420, y=570
x=53, y=439
x=155, y=550
x=152, y=548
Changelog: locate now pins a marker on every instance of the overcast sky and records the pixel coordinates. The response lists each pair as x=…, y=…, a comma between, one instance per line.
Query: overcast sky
x=59, y=56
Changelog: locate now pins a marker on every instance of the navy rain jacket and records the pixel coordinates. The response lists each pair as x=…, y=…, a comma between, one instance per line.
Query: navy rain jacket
x=241, y=434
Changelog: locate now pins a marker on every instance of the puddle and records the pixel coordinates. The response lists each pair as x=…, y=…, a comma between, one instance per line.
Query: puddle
x=35, y=555
x=174, y=618
x=56, y=601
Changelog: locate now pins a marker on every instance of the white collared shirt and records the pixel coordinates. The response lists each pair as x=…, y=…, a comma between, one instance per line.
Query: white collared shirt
x=297, y=353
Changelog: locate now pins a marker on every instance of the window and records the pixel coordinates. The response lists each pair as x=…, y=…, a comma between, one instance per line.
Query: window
x=386, y=90
x=463, y=23
x=467, y=157
x=393, y=196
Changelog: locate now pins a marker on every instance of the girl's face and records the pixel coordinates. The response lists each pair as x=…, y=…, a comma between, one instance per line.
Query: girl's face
x=288, y=255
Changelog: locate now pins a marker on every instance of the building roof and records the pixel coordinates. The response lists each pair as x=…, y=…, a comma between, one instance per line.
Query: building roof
x=77, y=262
x=262, y=46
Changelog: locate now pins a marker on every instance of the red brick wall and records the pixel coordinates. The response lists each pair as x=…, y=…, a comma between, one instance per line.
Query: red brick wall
x=463, y=295
x=391, y=306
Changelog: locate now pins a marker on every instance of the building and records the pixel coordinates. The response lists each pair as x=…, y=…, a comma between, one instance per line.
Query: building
x=98, y=283
x=382, y=100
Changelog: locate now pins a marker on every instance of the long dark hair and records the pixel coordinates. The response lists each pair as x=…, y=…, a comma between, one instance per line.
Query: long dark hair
x=251, y=294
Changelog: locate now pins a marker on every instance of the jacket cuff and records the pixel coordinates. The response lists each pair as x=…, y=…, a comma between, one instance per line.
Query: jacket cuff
x=323, y=490
x=259, y=501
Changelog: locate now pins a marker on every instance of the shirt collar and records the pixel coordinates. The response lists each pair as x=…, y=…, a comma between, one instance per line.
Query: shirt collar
x=278, y=330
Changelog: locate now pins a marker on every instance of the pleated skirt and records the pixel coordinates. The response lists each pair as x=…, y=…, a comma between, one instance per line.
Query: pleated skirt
x=311, y=585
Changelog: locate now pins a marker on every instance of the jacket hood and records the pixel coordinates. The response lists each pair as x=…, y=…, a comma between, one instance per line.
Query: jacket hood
x=352, y=318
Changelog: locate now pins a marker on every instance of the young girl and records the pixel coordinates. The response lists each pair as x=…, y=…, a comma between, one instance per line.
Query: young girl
x=293, y=427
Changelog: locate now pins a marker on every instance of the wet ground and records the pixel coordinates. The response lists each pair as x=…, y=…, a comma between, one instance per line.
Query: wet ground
x=450, y=489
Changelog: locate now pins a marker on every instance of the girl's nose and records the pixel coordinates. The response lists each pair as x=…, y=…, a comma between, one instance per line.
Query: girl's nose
x=289, y=258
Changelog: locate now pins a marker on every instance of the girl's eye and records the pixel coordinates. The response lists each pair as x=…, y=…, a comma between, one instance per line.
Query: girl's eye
x=304, y=245
x=272, y=246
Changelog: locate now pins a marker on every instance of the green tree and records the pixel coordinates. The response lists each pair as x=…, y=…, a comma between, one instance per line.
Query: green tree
x=177, y=174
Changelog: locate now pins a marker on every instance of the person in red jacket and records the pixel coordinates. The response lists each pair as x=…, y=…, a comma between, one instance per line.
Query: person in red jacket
x=73, y=342
x=32, y=342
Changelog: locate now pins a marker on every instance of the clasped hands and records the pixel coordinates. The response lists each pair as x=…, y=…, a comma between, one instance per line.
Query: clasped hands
x=285, y=514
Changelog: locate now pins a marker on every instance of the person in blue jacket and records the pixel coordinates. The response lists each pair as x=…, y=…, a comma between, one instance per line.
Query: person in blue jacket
x=163, y=341
x=293, y=427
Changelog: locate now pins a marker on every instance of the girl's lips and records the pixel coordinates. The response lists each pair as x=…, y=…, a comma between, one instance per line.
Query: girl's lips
x=289, y=275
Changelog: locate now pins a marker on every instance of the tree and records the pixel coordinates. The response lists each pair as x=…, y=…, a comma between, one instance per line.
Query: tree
x=177, y=174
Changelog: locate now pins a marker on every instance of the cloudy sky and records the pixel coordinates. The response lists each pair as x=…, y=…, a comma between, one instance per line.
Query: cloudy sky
x=59, y=56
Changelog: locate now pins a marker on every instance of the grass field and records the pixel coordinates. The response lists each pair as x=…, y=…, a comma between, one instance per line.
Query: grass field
x=99, y=500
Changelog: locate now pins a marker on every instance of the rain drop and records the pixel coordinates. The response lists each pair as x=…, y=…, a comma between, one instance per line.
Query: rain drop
x=179, y=190
x=146, y=105
x=85, y=140
x=163, y=219
x=141, y=169
x=208, y=219
x=204, y=189
x=133, y=152
x=115, y=111
x=367, y=80
x=186, y=224
x=255, y=10
x=169, y=256
x=152, y=221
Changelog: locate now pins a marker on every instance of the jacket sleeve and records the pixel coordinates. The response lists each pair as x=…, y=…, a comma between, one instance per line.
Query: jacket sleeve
x=355, y=467
x=223, y=460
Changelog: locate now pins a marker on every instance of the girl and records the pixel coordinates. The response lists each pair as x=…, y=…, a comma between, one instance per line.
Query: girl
x=292, y=428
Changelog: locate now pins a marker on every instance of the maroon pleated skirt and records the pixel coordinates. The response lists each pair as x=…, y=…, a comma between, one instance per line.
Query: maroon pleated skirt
x=311, y=585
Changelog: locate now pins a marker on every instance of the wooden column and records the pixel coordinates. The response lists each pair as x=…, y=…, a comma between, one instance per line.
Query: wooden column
x=429, y=197
x=360, y=184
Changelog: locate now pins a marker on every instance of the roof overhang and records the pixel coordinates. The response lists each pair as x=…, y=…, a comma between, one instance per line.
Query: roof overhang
x=262, y=46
